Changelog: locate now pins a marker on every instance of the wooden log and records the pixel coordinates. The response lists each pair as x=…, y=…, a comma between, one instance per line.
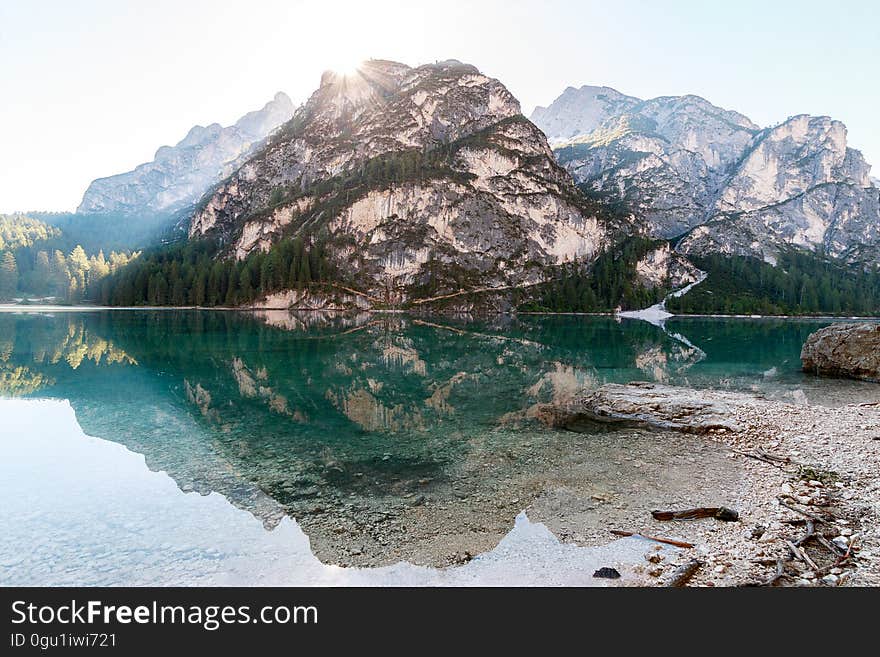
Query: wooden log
x=719, y=513
x=683, y=574
x=668, y=541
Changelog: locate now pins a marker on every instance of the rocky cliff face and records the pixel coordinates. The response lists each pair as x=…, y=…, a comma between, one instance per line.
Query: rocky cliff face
x=179, y=175
x=691, y=169
x=410, y=175
x=799, y=185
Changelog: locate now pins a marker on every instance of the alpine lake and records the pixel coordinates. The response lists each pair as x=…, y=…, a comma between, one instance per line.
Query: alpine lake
x=212, y=447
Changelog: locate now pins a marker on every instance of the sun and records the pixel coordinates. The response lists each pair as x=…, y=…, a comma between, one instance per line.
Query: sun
x=345, y=65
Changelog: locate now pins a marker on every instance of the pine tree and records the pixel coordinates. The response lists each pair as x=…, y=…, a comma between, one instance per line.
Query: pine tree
x=42, y=273
x=60, y=274
x=247, y=292
x=304, y=277
x=8, y=276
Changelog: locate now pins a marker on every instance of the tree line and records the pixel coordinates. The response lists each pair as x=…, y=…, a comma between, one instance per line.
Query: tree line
x=40, y=259
x=801, y=283
x=66, y=277
x=192, y=274
x=610, y=283
x=17, y=231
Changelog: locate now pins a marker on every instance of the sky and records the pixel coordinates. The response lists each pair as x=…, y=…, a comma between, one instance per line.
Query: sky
x=90, y=88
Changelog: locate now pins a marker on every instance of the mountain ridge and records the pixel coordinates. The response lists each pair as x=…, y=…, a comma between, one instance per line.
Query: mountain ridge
x=716, y=180
x=178, y=175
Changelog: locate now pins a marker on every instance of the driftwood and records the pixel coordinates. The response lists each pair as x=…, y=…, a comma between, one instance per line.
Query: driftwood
x=766, y=457
x=799, y=552
x=719, y=513
x=806, y=514
x=780, y=573
x=683, y=574
x=668, y=541
x=797, y=549
x=801, y=555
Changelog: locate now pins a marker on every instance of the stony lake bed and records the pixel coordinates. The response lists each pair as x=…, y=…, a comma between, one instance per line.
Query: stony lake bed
x=396, y=439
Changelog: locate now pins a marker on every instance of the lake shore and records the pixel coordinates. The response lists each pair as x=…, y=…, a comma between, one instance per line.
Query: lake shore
x=7, y=307
x=809, y=495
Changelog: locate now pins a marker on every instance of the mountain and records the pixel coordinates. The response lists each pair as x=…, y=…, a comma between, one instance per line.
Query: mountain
x=412, y=182
x=179, y=175
x=580, y=111
x=716, y=180
x=799, y=185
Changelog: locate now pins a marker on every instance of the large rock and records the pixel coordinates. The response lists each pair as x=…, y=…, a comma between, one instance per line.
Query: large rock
x=847, y=350
x=651, y=405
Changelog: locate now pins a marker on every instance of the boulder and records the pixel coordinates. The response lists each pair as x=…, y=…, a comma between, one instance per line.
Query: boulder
x=844, y=350
x=650, y=405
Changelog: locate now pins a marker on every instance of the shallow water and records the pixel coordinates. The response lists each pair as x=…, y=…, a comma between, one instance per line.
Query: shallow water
x=371, y=432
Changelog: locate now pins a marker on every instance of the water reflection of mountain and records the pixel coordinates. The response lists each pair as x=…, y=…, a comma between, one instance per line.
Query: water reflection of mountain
x=314, y=415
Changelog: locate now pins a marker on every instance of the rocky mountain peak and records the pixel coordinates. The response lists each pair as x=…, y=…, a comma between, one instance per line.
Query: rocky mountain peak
x=790, y=159
x=350, y=102
x=410, y=174
x=259, y=123
x=580, y=111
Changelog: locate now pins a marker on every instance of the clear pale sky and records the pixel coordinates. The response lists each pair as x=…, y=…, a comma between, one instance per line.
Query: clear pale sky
x=89, y=88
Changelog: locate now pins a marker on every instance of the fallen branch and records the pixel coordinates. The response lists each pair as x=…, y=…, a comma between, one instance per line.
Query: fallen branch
x=760, y=455
x=683, y=574
x=806, y=514
x=772, y=457
x=668, y=541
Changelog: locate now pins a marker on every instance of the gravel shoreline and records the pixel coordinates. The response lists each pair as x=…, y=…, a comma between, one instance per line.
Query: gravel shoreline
x=809, y=499
x=832, y=472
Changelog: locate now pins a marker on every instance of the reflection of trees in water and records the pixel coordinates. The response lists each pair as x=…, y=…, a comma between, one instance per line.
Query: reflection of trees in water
x=21, y=381
x=45, y=342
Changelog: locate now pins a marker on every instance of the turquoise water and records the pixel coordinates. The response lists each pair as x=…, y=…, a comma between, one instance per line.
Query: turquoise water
x=311, y=415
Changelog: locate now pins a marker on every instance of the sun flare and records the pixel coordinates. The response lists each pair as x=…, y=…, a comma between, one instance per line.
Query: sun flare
x=345, y=65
